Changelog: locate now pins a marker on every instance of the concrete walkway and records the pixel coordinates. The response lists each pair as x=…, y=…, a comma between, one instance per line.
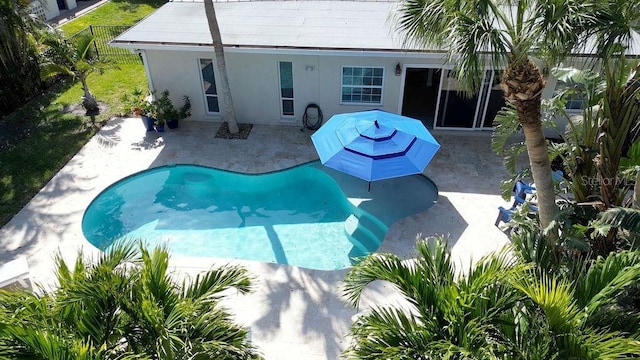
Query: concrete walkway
x=293, y=313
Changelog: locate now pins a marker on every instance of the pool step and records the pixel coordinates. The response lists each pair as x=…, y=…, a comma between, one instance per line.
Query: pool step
x=374, y=225
x=365, y=233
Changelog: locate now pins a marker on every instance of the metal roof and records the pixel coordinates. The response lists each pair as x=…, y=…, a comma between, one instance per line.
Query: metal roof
x=309, y=24
x=343, y=25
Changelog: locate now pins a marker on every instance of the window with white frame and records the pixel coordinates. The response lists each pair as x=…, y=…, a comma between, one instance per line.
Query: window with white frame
x=285, y=69
x=362, y=85
x=209, y=86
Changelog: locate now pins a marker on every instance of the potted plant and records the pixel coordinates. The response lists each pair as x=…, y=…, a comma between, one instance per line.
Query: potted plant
x=169, y=113
x=149, y=112
x=132, y=102
x=139, y=103
x=160, y=124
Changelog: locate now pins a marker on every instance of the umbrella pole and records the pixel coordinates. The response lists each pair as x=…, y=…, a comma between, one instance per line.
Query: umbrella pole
x=369, y=186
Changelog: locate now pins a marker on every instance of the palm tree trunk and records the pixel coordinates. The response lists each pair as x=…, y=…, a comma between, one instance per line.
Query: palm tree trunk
x=523, y=86
x=541, y=172
x=619, y=114
x=89, y=102
x=218, y=48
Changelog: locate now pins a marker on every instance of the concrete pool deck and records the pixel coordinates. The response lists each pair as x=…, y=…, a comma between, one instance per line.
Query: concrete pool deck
x=293, y=311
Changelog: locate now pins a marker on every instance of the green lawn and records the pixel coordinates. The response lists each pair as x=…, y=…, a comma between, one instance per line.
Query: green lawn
x=49, y=137
x=113, y=13
x=108, y=88
x=44, y=136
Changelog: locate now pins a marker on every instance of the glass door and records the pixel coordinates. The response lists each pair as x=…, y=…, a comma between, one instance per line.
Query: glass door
x=456, y=108
x=492, y=99
x=420, y=96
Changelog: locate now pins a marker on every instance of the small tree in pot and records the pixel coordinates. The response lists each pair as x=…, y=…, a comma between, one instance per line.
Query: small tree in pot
x=168, y=113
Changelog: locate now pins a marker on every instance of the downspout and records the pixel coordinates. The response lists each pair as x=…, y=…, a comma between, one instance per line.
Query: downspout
x=143, y=56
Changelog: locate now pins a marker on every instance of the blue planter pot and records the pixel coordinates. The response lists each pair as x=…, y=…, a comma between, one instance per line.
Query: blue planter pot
x=172, y=124
x=148, y=122
x=160, y=128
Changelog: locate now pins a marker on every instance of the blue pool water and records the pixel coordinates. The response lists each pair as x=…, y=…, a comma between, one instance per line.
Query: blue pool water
x=299, y=216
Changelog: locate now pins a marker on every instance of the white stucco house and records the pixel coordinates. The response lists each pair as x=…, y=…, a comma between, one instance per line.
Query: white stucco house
x=48, y=9
x=281, y=56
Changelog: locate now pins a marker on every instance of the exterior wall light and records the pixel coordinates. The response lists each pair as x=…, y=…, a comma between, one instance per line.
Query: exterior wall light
x=398, y=69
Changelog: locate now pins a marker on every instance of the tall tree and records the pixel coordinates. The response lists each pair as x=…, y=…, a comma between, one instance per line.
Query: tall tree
x=218, y=48
x=509, y=35
x=19, y=77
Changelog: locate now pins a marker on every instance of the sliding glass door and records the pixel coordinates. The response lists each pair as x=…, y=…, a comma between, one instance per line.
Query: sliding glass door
x=458, y=109
x=492, y=99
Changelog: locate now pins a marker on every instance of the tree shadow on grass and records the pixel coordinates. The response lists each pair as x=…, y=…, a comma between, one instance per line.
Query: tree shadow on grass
x=35, y=142
x=36, y=115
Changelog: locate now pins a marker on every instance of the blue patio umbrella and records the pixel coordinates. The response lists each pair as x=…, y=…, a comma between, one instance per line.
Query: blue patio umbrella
x=375, y=145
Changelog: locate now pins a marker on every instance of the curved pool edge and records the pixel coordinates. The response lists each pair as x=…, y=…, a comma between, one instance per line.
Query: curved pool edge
x=367, y=206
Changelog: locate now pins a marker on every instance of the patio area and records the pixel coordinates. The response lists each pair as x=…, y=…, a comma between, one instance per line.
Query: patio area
x=292, y=311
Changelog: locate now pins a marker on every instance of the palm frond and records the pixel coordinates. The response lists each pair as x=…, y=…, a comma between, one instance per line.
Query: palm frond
x=225, y=339
x=375, y=267
x=598, y=345
x=48, y=70
x=506, y=124
x=605, y=279
x=555, y=297
x=387, y=332
x=215, y=281
x=83, y=46
x=534, y=245
x=434, y=261
x=624, y=218
x=423, y=22
x=44, y=344
x=155, y=278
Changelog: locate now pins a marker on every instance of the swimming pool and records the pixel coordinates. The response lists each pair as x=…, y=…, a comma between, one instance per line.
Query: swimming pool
x=308, y=215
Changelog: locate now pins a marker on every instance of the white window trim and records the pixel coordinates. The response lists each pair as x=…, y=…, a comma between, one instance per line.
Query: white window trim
x=371, y=86
x=204, y=94
x=282, y=114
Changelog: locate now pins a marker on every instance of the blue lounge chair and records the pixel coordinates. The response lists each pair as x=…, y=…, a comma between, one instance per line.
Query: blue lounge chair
x=520, y=192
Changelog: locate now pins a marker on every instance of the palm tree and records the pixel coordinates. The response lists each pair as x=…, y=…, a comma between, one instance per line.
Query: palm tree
x=125, y=305
x=506, y=34
x=582, y=308
x=449, y=316
x=75, y=59
x=619, y=113
x=500, y=309
x=218, y=48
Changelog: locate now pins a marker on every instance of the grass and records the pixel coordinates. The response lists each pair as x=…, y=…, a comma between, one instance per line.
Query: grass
x=47, y=137
x=107, y=88
x=113, y=13
x=43, y=136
